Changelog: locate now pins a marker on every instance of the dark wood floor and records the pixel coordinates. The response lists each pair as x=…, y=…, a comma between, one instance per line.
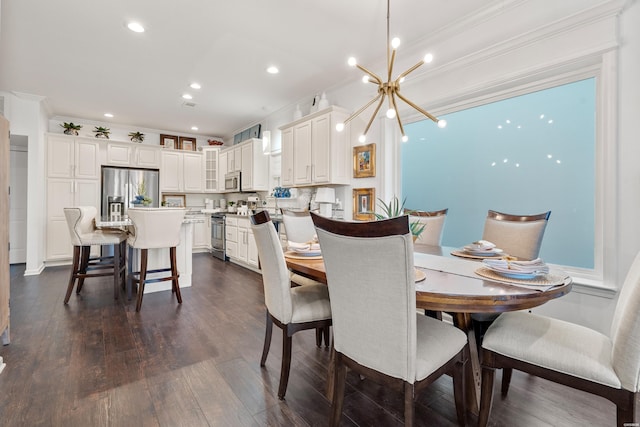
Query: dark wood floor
x=96, y=362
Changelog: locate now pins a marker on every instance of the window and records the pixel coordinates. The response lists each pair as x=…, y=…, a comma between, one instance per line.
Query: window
x=523, y=155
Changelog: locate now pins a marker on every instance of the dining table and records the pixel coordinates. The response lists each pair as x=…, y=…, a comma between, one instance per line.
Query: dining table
x=448, y=281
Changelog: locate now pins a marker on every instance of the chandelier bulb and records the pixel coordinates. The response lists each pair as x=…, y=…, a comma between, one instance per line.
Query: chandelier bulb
x=340, y=127
x=352, y=62
x=395, y=43
x=365, y=79
x=428, y=58
x=362, y=138
x=442, y=123
x=391, y=113
x=405, y=138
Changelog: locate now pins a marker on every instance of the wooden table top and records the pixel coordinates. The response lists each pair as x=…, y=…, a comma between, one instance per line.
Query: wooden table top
x=448, y=291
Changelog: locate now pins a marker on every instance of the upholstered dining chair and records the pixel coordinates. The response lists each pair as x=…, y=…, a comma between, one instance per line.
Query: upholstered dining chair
x=291, y=308
x=155, y=228
x=83, y=232
x=517, y=235
x=298, y=225
x=369, y=268
x=434, y=225
x=570, y=354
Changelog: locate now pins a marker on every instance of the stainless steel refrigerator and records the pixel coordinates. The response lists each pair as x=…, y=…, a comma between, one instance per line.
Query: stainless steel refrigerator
x=120, y=186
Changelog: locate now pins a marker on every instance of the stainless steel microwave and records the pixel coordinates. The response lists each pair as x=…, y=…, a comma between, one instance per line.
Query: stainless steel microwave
x=232, y=181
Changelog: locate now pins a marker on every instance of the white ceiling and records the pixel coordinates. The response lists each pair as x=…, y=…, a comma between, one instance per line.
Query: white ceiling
x=80, y=56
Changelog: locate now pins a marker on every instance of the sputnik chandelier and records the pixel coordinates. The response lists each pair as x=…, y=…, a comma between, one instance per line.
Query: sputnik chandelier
x=389, y=89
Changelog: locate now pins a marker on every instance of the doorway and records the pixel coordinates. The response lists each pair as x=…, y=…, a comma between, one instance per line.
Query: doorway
x=18, y=199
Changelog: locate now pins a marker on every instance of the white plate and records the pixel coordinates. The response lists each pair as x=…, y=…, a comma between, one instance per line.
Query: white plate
x=307, y=252
x=478, y=252
x=518, y=275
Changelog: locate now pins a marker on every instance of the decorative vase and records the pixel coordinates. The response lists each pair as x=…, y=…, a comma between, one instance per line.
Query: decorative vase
x=297, y=114
x=324, y=102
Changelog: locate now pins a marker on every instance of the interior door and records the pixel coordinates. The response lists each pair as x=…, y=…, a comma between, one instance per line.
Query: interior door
x=18, y=201
x=4, y=231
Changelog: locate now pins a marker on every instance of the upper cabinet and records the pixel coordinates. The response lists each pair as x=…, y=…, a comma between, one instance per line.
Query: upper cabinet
x=131, y=155
x=211, y=169
x=69, y=157
x=254, y=164
x=313, y=152
x=181, y=172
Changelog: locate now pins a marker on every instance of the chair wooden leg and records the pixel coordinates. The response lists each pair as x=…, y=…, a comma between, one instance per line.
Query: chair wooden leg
x=327, y=332
x=486, y=395
x=267, y=339
x=175, y=286
x=286, y=363
x=506, y=380
x=409, y=408
x=318, y=337
x=116, y=270
x=85, y=253
x=459, y=387
x=74, y=271
x=129, y=281
x=339, y=377
x=143, y=276
x=627, y=416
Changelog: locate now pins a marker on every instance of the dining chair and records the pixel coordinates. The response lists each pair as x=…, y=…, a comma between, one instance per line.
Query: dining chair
x=434, y=225
x=571, y=354
x=291, y=308
x=155, y=228
x=83, y=232
x=369, y=268
x=517, y=235
x=298, y=225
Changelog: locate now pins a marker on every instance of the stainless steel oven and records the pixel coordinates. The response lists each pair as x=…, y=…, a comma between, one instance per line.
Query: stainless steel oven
x=232, y=182
x=217, y=236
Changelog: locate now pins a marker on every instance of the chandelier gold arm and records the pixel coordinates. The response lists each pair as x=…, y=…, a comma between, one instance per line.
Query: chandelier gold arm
x=393, y=58
x=364, y=107
x=373, y=75
x=375, y=113
x=395, y=107
x=410, y=70
x=429, y=115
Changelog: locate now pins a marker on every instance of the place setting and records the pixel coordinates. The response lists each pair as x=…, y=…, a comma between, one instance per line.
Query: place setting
x=534, y=274
x=306, y=250
x=481, y=249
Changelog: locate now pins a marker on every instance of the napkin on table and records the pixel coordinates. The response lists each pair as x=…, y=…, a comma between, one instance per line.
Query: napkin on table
x=534, y=266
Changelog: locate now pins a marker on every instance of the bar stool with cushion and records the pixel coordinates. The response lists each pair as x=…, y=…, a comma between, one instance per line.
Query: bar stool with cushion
x=83, y=232
x=292, y=309
x=434, y=225
x=369, y=268
x=155, y=228
x=571, y=354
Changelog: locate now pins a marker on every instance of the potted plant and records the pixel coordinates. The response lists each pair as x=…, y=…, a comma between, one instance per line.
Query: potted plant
x=136, y=136
x=232, y=208
x=101, y=132
x=71, y=128
x=393, y=209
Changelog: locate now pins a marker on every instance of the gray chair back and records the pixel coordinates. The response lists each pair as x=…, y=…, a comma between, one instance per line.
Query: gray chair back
x=517, y=235
x=298, y=226
x=434, y=225
x=371, y=283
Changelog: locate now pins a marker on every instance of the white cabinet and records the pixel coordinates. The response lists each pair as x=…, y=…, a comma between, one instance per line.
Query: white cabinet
x=240, y=243
x=286, y=157
x=73, y=179
x=181, y=172
x=222, y=170
x=255, y=166
x=211, y=181
x=313, y=152
x=202, y=232
x=234, y=159
x=131, y=155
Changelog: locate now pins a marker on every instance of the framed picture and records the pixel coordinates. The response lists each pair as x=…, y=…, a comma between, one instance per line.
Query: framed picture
x=364, y=161
x=186, y=143
x=174, y=200
x=363, y=204
x=169, y=141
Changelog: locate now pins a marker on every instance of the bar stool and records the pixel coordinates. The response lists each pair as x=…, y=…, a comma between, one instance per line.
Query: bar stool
x=81, y=223
x=154, y=228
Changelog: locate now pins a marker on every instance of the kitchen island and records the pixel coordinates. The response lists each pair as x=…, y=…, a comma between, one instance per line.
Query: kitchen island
x=159, y=258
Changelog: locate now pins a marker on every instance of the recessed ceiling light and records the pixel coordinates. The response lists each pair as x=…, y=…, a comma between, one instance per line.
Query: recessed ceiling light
x=108, y=115
x=187, y=96
x=194, y=127
x=195, y=85
x=273, y=70
x=135, y=27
